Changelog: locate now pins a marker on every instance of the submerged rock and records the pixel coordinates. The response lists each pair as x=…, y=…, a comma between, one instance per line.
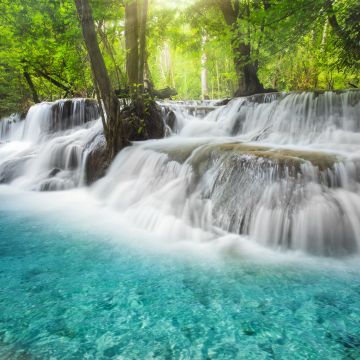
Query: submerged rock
x=54, y=172
x=11, y=169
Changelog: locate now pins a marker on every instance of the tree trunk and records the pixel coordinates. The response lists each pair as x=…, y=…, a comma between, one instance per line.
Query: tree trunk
x=147, y=72
x=204, y=72
x=132, y=44
x=166, y=65
x=112, y=125
x=142, y=41
x=217, y=79
x=31, y=87
x=246, y=69
x=54, y=81
x=108, y=48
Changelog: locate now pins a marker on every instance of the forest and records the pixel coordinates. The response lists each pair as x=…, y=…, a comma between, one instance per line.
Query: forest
x=193, y=49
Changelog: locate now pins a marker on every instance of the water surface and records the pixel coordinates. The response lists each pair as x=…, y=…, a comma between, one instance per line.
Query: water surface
x=70, y=293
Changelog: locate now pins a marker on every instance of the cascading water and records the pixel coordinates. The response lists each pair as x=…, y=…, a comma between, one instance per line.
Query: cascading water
x=282, y=170
x=46, y=151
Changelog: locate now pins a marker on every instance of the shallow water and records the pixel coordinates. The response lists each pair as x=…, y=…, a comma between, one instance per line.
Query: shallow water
x=66, y=293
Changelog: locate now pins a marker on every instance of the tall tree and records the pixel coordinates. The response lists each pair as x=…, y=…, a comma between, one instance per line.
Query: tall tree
x=142, y=40
x=135, y=39
x=32, y=88
x=246, y=67
x=204, y=71
x=132, y=44
x=112, y=124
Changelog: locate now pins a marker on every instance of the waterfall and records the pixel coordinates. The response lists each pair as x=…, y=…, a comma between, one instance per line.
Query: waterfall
x=10, y=128
x=281, y=170
x=46, y=150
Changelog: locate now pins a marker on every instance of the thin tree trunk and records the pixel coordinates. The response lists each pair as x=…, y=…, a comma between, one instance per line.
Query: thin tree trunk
x=169, y=75
x=132, y=44
x=54, y=81
x=147, y=72
x=109, y=50
x=204, y=73
x=31, y=87
x=142, y=42
x=324, y=34
x=217, y=79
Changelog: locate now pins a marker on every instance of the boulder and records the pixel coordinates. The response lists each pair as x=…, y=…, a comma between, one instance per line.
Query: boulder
x=143, y=121
x=96, y=162
x=54, y=172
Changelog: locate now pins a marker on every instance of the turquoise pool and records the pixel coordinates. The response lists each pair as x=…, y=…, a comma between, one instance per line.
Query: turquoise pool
x=66, y=293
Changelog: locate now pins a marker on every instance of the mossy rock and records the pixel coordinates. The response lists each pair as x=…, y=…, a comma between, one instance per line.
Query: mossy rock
x=284, y=157
x=142, y=120
x=290, y=161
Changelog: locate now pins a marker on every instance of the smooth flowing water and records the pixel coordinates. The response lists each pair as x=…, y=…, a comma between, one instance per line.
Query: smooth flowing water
x=237, y=236
x=71, y=290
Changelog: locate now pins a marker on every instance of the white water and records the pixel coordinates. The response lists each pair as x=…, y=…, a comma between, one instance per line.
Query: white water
x=299, y=191
x=46, y=151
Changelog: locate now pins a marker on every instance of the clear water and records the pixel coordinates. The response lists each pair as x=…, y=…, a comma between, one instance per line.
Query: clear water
x=66, y=293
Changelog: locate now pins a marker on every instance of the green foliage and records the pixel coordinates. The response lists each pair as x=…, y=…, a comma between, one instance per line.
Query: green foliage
x=293, y=42
x=41, y=36
x=300, y=49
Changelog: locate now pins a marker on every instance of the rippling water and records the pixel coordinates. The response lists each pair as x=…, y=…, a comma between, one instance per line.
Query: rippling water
x=66, y=293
